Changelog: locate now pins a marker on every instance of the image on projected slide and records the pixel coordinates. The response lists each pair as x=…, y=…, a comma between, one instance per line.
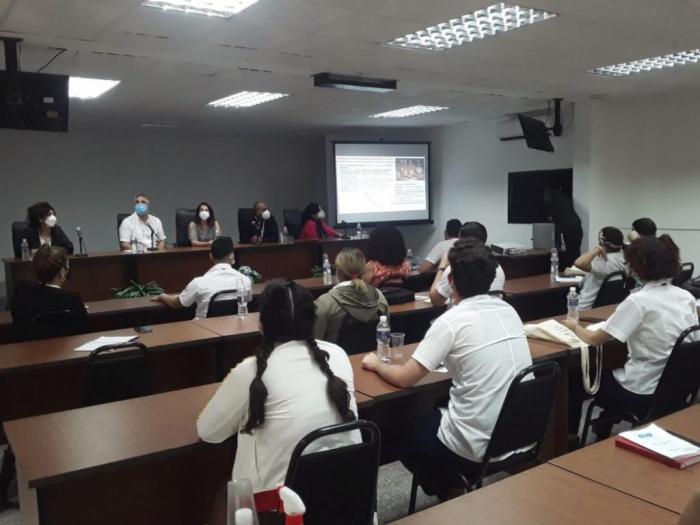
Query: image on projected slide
x=410, y=169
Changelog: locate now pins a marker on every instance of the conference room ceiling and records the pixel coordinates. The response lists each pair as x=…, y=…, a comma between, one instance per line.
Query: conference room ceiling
x=171, y=65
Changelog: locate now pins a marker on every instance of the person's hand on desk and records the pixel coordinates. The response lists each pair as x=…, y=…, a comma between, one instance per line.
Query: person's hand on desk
x=371, y=362
x=404, y=376
x=570, y=324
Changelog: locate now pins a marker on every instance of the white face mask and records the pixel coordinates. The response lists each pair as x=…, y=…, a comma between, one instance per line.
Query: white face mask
x=266, y=215
x=321, y=214
x=204, y=215
x=50, y=221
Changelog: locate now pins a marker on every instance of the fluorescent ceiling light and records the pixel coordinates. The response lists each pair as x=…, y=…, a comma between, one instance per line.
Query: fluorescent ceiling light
x=681, y=58
x=222, y=8
x=408, y=112
x=245, y=99
x=489, y=21
x=87, y=88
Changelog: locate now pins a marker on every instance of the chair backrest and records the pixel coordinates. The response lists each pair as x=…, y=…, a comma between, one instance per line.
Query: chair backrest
x=685, y=275
x=244, y=218
x=356, y=337
x=680, y=380
x=349, y=495
x=56, y=323
x=115, y=373
x=219, y=305
x=18, y=227
x=183, y=218
x=292, y=220
x=120, y=219
x=613, y=290
x=525, y=412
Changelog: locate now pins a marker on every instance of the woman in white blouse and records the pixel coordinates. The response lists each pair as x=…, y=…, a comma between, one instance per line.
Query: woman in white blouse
x=294, y=385
x=649, y=321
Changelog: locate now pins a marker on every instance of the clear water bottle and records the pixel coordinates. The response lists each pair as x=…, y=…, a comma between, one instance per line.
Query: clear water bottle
x=554, y=266
x=572, y=305
x=242, y=300
x=358, y=233
x=411, y=260
x=285, y=236
x=327, y=275
x=26, y=254
x=134, y=244
x=384, y=340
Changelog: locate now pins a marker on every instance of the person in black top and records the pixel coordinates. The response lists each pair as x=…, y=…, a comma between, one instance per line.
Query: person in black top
x=42, y=230
x=51, y=265
x=567, y=227
x=262, y=227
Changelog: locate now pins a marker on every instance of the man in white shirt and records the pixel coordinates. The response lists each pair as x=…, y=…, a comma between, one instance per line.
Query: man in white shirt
x=441, y=289
x=440, y=249
x=220, y=277
x=142, y=226
x=599, y=262
x=482, y=343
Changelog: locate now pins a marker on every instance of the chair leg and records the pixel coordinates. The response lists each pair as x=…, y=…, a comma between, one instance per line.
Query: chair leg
x=414, y=491
x=587, y=423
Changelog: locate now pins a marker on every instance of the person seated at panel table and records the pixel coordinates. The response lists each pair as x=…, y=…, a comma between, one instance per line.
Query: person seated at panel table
x=441, y=248
x=141, y=225
x=599, y=262
x=314, y=225
x=649, y=321
x=441, y=290
x=221, y=276
x=643, y=227
x=386, y=253
x=293, y=386
x=482, y=343
x=42, y=229
x=204, y=228
x=52, y=268
x=352, y=296
x=262, y=227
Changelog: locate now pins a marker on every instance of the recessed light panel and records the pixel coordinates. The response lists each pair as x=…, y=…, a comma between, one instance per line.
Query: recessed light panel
x=408, y=112
x=246, y=99
x=87, y=88
x=222, y=8
x=682, y=58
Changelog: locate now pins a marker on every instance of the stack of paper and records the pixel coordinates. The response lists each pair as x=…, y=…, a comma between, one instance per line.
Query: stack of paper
x=574, y=279
x=654, y=442
x=104, y=341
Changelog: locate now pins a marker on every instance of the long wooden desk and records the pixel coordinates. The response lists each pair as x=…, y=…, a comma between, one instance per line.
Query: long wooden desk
x=536, y=297
x=532, y=262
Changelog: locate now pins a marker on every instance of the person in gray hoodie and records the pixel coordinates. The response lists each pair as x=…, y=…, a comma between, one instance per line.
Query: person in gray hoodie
x=351, y=296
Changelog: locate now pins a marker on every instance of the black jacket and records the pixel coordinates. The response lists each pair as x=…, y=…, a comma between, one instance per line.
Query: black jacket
x=252, y=228
x=58, y=238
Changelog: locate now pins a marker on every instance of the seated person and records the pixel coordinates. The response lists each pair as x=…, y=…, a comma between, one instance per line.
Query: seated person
x=643, y=227
x=293, y=386
x=313, y=225
x=482, y=343
x=142, y=226
x=386, y=251
x=221, y=276
x=262, y=227
x=351, y=296
x=204, y=228
x=601, y=261
x=42, y=230
x=649, y=321
x=441, y=291
x=440, y=249
x=51, y=266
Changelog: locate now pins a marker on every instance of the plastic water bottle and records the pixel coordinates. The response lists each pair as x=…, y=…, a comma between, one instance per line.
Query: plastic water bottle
x=285, y=236
x=358, y=233
x=409, y=256
x=327, y=275
x=26, y=254
x=242, y=300
x=554, y=266
x=134, y=244
x=384, y=340
x=572, y=305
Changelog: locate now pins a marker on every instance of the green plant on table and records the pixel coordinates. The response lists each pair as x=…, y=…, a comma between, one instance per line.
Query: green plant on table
x=317, y=271
x=138, y=290
x=251, y=274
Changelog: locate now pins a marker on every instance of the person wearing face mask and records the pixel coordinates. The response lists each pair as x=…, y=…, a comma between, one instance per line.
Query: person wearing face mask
x=142, y=226
x=204, y=228
x=43, y=229
x=262, y=227
x=314, y=225
x=52, y=267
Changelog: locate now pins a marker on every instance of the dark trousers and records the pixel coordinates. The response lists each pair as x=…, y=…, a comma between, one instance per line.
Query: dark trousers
x=611, y=396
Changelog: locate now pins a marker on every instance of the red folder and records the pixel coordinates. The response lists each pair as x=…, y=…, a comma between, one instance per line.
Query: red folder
x=679, y=463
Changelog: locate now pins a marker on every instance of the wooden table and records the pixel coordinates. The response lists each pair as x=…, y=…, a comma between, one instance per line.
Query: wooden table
x=532, y=262
x=637, y=475
x=544, y=496
x=536, y=297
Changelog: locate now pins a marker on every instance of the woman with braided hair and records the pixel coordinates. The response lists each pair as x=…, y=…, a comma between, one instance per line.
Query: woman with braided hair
x=294, y=385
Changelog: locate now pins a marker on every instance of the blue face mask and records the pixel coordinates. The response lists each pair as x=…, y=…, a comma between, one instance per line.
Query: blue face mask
x=141, y=208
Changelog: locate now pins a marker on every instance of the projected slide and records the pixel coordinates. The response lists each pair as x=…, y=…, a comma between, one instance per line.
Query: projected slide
x=381, y=182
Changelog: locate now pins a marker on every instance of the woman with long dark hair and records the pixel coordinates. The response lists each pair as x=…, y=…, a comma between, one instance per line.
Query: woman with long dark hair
x=386, y=255
x=42, y=229
x=204, y=228
x=294, y=385
x=313, y=224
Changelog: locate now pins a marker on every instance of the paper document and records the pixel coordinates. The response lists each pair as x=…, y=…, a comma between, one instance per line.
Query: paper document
x=105, y=340
x=658, y=440
x=422, y=298
x=574, y=279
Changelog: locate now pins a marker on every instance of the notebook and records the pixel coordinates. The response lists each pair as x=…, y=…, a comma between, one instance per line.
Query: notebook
x=656, y=443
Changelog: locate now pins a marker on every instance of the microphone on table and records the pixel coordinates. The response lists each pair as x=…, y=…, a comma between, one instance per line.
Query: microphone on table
x=81, y=243
x=153, y=247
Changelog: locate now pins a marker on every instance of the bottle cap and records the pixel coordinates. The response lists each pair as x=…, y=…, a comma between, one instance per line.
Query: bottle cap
x=572, y=289
x=382, y=319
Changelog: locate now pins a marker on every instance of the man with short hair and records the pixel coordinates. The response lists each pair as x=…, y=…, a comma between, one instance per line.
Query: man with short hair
x=643, y=227
x=482, y=343
x=145, y=228
x=441, y=248
x=221, y=276
x=262, y=227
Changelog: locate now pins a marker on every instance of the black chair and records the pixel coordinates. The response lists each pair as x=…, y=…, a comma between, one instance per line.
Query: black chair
x=220, y=307
x=57, y=323
x=292, y=220
x=18, y=229
x=356, y=337
x=244, y=218
x=117, y=372
x=183, y=218
x=613, y=290
x=677, y=388
x=685, y=275
x=338, y=486
x=522, y=422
